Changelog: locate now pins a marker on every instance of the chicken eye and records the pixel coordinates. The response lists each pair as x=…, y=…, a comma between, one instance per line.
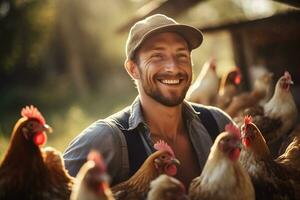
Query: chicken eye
x=30, y=125
x=163, y=157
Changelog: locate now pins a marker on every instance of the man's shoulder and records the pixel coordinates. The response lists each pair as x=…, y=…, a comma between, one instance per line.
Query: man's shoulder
x=215, y=111
x=221, y=117
x=119, y=119
x=124, y=113
x=106, y=127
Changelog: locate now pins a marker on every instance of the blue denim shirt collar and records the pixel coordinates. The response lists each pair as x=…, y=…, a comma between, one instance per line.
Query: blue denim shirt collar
x=136, y=114
x=189, y=112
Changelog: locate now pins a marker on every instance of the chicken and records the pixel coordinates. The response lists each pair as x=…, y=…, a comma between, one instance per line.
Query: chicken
x=278, y=116
x=271, y=179
x=223, y=177
x=27, y=171
x=228, y=88
x=291, y=156
x=60, y=182
x=205, y=88
x=92, y=181
x=162, y=161
x=264, y=84
x=257, y=96
x=166, y=188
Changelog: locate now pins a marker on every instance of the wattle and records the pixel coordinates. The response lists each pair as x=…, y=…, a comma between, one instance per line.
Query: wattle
x=40, y=138
x=171, y=170
x=234, y=154
x=246, y=142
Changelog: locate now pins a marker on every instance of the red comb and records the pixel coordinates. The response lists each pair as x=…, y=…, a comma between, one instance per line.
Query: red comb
x=231, y=128
x=237, y=79
x=288, y=75
x=163, y=146
x=97, y=158
x=32, y=112
x=247, y=119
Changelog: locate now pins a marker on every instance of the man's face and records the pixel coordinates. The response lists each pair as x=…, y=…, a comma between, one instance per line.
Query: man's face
x=164, y=65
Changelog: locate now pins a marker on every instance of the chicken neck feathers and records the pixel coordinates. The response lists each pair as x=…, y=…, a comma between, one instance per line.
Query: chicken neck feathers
x=138, y=185
x=270, y=179
x=221, y=178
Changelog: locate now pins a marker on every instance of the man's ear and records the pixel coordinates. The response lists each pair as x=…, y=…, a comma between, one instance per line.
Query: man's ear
x=132, y=69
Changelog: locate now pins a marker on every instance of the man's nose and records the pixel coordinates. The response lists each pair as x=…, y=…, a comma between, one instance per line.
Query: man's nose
x=171, y=64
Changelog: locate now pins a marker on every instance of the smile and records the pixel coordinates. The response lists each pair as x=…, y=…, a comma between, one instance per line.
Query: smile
x=170, y=82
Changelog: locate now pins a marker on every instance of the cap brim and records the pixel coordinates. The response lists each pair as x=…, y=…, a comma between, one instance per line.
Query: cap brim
x=192, y=35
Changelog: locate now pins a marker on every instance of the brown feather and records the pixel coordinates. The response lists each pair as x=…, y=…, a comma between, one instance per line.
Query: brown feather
x=271, y=180
x=138, y=185
x=221, y=177
x=291, y=156
x=24, y=174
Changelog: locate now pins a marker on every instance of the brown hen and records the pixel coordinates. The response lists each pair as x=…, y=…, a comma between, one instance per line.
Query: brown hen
x=27, y=171
x=229, y=87
x=271, y=179
x=162, y=161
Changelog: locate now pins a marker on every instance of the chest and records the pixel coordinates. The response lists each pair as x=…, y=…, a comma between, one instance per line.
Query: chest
x=189, y=167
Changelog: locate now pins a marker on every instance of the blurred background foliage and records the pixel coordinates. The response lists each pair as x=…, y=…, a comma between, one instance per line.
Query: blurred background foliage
x=66, y=57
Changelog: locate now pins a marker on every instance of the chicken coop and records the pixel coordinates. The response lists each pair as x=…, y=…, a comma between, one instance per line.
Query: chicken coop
x=270, y=43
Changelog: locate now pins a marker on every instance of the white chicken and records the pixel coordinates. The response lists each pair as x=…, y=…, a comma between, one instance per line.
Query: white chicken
x=205, y=88
x=278, y=116
x=166, y=187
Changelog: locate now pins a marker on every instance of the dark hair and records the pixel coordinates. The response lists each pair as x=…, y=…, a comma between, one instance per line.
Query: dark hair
x=135, y=58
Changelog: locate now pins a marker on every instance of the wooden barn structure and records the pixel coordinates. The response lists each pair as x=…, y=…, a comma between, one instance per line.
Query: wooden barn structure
x=272, y=42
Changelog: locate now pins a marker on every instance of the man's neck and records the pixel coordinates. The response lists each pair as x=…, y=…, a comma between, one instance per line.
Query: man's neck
x=161, y=119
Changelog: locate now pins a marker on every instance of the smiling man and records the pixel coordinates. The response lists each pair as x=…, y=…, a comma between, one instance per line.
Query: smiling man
x=158, y=52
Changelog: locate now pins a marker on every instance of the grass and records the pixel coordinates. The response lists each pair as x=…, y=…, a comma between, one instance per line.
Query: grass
x=68, y=119
x=65, y=126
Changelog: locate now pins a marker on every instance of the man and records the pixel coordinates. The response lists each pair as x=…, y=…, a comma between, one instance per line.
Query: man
x=158, y=54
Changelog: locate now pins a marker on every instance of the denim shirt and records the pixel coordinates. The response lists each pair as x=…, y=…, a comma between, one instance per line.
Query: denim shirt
x=105, y=137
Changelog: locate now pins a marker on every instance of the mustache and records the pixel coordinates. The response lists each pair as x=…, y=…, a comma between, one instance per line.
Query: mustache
x=172, y=76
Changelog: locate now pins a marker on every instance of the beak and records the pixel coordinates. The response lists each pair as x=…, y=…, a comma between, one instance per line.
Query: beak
x=105, y=178
x=176, y=161
x=291, y=82
x=239, y=145
x=47, y=128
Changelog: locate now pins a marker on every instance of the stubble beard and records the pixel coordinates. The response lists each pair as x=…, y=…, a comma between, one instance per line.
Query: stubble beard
x=170, y=101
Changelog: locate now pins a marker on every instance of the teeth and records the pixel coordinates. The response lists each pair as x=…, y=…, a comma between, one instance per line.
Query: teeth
x=170, y=81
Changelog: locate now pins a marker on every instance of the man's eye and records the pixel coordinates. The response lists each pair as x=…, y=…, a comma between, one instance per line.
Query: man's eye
x=182, y=56
x=157, y=55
